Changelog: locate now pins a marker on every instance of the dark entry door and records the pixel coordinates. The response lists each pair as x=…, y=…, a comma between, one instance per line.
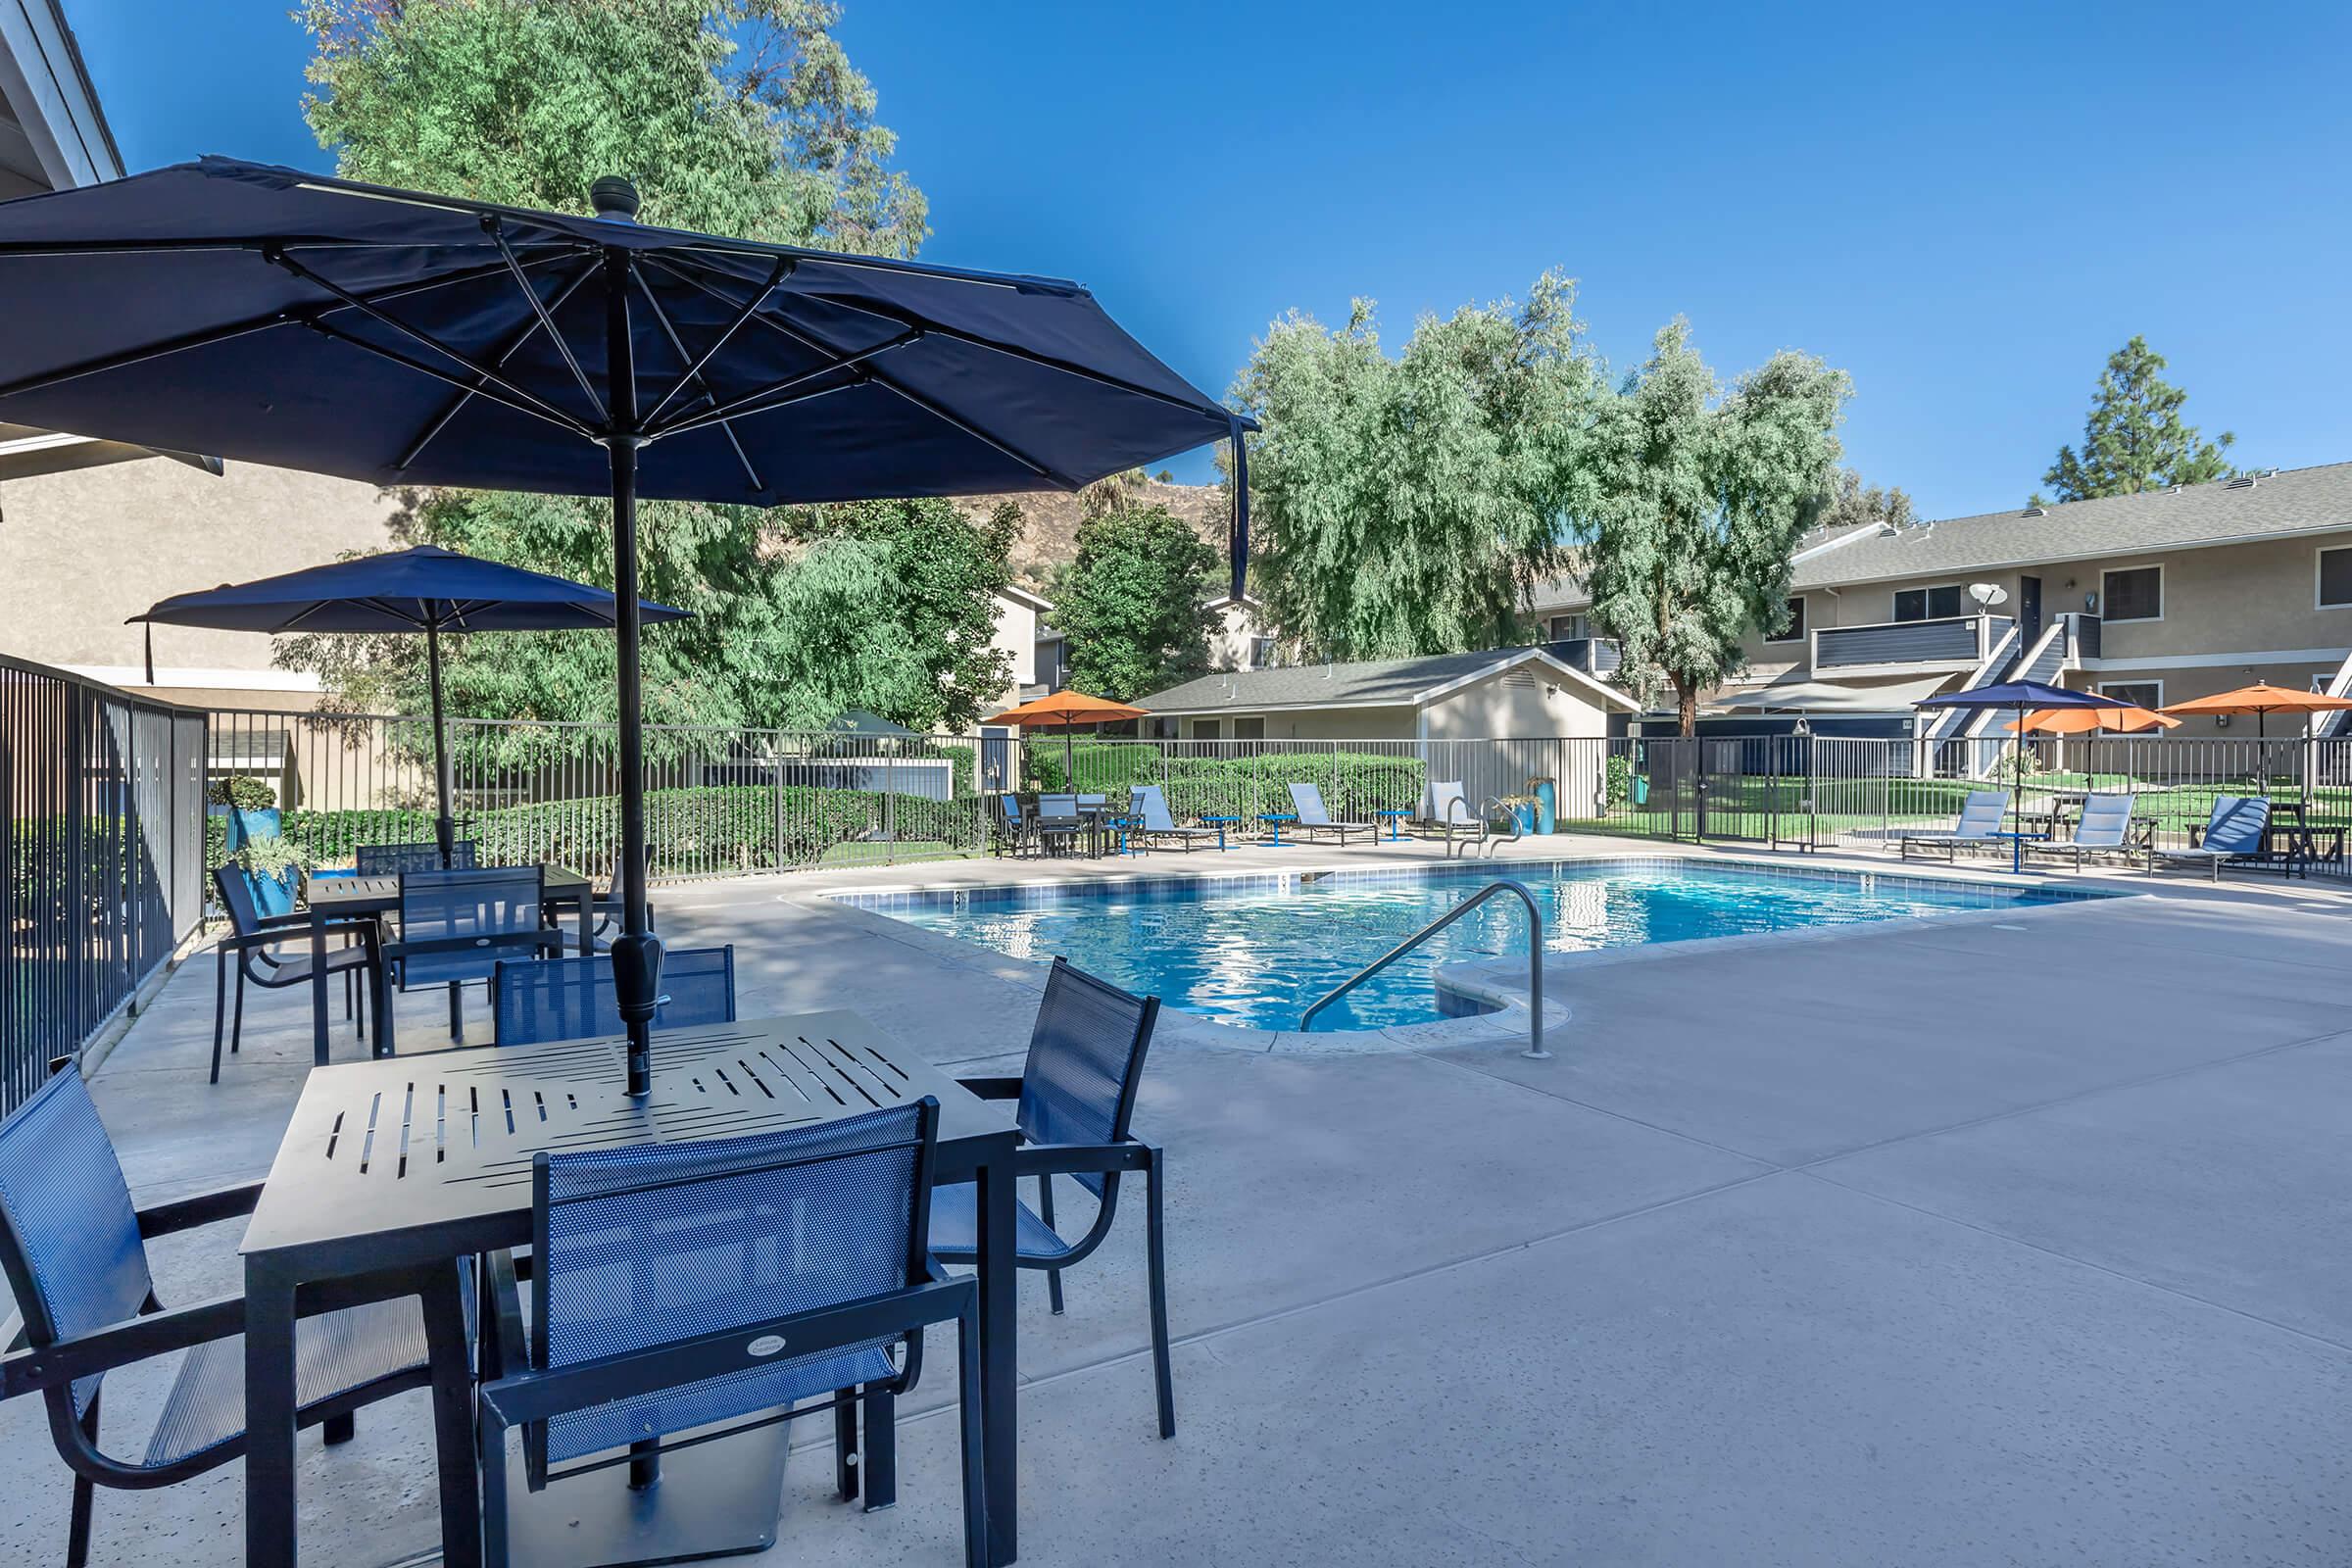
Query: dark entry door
x=2029, y=610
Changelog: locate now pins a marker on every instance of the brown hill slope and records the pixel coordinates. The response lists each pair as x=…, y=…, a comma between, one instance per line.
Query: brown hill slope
x=1050, y=522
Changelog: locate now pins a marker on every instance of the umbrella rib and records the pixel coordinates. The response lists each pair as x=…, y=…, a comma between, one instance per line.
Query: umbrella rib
x=220, y=334
x=758, y=401
x=883, y=379
x=677, y=346
x=450, y=410
x=694, y=372
x=386, y=318
x=560, y=421
x=547, y=319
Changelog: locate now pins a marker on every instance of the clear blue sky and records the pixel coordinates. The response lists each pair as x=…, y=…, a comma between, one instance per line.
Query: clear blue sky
x=1967, y=210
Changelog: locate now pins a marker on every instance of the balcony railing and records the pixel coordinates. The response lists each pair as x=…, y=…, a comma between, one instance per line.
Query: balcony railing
x=1952, y=640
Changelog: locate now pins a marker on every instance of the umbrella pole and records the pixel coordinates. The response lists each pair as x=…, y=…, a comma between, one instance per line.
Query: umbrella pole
x=444, y=829
x=636, y=952
x=2017, y=800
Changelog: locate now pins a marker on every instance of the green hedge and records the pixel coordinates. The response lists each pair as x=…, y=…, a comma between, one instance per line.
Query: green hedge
x=1354, y=783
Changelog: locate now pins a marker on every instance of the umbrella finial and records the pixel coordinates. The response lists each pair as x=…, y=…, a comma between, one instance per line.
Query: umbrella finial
x=615, y=198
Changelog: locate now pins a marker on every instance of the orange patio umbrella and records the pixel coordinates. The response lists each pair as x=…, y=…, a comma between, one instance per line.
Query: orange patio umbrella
x=2262, y=699
x=1065, y=710
x=2083, y=720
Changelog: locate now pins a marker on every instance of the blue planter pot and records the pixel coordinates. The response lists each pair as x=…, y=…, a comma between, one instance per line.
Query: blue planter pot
x=246, y=826
x=1547, y=806
x=1525, y=816
x=272, y=894
x=1640, y=789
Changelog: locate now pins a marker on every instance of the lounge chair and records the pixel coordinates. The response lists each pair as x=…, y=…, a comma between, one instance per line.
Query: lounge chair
x=1313, y=820
x=1145, y=801
x=1979, y=825
x=2238, y=830
x=1444, y=810
x=2105, y=828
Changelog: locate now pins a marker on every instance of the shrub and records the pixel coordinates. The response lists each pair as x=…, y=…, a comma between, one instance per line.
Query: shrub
x=1354, y=783
x=241, y=793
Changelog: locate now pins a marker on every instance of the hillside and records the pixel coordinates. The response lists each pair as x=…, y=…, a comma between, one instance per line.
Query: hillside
x=1050, y=526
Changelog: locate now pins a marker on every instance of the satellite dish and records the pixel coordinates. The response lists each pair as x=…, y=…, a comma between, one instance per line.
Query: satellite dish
x=1988, y=594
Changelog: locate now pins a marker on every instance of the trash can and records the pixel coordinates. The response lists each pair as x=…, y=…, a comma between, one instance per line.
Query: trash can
x=1547, y=803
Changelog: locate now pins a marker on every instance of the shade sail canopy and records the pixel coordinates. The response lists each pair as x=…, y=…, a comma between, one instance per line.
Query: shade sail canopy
x=1066, y=709
x=1795, y=695
x=2021, y=694
x=2086, y=720
x=857, y=721
x=2260, y=698
x=426, y=588
x=221, y=306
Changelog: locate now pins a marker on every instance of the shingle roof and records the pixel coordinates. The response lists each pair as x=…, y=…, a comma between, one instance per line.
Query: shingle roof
x=2291, y=502
x=1372, y=683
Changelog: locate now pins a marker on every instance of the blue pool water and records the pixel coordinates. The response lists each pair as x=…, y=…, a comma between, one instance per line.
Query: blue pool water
x=1257, y=949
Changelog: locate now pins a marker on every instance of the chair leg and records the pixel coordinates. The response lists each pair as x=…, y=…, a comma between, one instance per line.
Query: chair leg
x=881, y=1458
x=219, y=1007
x=845, y=1446
x=456, y=1010
x=1045, y=1211
x=967, y=1401
x=490, y=1444
x=339, y=1429
x=77, y=1531
x=1154, y=1176
x=236, y=1016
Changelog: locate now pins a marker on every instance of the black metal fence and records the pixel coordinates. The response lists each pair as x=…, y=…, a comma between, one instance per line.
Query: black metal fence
x=101, y=858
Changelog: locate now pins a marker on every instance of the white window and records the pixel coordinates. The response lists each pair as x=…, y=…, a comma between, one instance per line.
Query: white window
x=1262, y=653
x=1941, y=603
x=2335, y=578
x=1794, y=630
x=2135, y=593
x=2142, y=693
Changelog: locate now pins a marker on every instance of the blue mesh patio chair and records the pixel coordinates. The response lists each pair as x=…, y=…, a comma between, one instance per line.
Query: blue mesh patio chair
x=2104, y=828
x=573, y=999
x=1077, y=1097
x=391, y=859
x=1056, y=822
x=1009, y=829
x=690, y=1286
x=75, y=1253
x=2237, y=831
x=252, y=954
x=455, y=926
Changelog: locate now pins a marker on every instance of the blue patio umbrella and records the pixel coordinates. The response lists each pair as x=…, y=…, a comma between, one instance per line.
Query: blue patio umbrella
x=426, y=589
x=278, y=316
x=2025, y=695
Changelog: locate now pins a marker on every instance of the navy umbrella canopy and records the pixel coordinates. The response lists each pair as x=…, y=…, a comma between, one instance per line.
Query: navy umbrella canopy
x=425, y=589
x=273, y=316
x=2025, y=695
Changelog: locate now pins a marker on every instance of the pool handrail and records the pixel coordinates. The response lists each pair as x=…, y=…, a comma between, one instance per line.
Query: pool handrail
x=1534, y=960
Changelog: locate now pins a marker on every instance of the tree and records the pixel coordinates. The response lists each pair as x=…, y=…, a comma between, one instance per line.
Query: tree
x=737, y=117
x=2134, y=438
x=1409, y=505
x=1133, y=604
x=1700, y=498
x=1853, y=502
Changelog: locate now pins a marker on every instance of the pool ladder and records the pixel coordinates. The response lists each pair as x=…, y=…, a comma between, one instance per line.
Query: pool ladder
x=1534, y=960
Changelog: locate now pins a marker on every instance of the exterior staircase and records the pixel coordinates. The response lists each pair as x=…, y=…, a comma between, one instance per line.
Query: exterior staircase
x=1968, y=742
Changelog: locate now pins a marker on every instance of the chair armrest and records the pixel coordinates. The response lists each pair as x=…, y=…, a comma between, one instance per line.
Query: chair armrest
x=993, y=1088
x=503, y=1344
x=199, y=1208
x=137, y=1338
x=1071, y=1160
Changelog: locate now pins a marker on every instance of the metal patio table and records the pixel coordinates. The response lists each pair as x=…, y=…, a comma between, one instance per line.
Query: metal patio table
x=394, y=1172
x=561, y=887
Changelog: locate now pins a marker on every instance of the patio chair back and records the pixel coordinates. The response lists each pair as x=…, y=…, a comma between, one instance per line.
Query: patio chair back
x=1093, y=800
x=1011, y=809
x=1308, y=801
x=1981, y=814
x=391, y=859
x=1154, y=805
x=2106, y=820
x=1086, y=1062
x=538, y=999
x=1447, y=805
x=498, y=909
x=649, y=1245
x=2238, y=824
x=1057, y=807
x=69, y=1235
x=236, y=898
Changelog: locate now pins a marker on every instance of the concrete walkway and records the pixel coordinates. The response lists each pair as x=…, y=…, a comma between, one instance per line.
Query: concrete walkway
x=1808, y=1253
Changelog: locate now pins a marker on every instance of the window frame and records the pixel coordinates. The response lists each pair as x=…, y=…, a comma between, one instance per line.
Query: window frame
x=2105, y=599
x=1926, y=603
x=2318, y=577
x=2103, y=689
x=1796, y=633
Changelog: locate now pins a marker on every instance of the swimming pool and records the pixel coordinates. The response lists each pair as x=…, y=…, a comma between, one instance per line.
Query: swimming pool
x=1255, y=950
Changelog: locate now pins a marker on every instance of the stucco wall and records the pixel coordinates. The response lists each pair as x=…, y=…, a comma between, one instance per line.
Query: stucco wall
x=86, y=549
x=1521, y=702
x=1320, y=724
x=2251, y=598
x=1229, y=643
x=1016, y=631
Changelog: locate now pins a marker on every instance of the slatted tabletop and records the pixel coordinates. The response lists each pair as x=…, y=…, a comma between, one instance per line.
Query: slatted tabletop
x=371, y=895
x=422, y=1139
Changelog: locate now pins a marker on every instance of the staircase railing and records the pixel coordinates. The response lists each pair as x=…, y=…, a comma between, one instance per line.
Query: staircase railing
x=1534, y=960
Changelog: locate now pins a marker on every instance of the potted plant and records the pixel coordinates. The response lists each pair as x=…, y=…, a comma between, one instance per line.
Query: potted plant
x=1520, y=809
x=250, y=805
x=1547, y=803
x=274, y=870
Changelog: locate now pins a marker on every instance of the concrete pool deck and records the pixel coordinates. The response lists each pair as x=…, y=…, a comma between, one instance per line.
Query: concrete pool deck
x=1810, y=1252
